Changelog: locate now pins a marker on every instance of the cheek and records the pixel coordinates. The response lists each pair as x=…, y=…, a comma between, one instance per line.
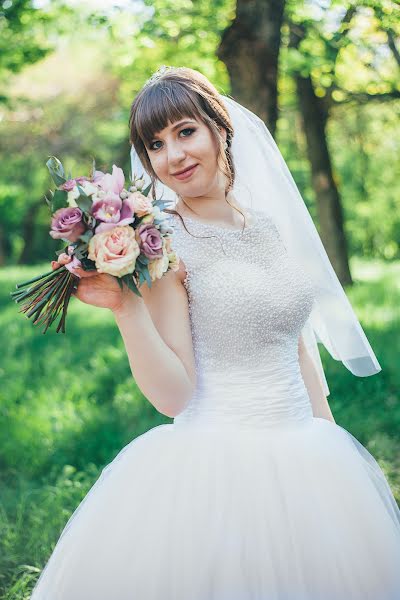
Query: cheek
x=157, y=163
x=206, y=147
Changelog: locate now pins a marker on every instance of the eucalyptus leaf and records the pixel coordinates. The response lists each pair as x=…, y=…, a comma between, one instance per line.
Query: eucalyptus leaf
x=147, y=276
x=56, y=170
x=146, y=190
x=82, y=191
x=144, y=260
x=60, y=200
x=132, y=286
x=85, y=237
x=84, y=203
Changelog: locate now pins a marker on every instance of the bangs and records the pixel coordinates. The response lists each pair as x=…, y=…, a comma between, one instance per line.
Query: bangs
x=160, y=104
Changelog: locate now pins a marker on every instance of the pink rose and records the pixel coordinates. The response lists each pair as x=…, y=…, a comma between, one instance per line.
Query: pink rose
x=150, y=240
x=67, y=224
x=139, y=204
x=114, y=251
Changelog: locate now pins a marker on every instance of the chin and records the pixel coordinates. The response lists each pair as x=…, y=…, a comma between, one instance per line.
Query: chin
x=197, y=189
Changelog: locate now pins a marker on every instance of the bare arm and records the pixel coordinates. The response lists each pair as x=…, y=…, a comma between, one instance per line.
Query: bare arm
x=157, y=337
x=313, y=384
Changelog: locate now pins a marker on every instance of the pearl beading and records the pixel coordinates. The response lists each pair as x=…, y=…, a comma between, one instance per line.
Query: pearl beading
x=248, y=301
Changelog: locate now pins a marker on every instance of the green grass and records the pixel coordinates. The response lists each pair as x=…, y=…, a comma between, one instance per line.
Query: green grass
x=68, y=404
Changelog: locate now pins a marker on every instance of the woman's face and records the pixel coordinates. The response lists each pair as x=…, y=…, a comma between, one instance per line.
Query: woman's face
x=183, y=144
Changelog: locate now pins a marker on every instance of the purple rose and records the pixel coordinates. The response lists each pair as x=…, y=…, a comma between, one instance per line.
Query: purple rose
x=150, y=241
x=67, y=224
x=69, y=185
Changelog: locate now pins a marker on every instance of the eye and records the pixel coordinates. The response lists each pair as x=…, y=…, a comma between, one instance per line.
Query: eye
x=188, y=129
x=191, y=129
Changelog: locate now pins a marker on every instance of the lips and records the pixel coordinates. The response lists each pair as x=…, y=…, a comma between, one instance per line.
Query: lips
x=187, y=173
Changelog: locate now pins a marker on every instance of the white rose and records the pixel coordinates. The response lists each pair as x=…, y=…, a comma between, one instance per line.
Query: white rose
x=72, y=196
x=158, y=266
x=89, y=188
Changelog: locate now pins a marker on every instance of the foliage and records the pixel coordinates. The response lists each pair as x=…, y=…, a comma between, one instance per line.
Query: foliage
x=27, y=33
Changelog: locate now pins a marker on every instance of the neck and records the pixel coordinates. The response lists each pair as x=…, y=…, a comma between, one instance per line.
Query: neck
x=211, y=209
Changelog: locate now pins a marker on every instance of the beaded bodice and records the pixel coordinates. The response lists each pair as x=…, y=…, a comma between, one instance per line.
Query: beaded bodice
x=248, y=301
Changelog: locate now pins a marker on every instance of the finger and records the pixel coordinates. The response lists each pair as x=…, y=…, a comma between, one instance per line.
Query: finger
x=79, y=272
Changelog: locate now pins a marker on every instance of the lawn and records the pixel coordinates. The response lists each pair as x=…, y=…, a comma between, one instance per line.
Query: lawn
x=68, y=404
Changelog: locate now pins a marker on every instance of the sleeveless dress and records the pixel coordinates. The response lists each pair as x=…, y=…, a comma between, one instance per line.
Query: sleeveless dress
x=246, y=495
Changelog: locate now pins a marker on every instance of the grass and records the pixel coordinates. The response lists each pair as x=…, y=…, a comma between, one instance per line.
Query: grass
x=68, y=404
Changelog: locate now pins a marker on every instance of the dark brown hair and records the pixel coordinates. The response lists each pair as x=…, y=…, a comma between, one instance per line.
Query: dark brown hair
x=170, y=94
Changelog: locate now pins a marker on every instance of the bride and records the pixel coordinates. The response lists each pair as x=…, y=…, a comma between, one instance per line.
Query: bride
x=253, y=492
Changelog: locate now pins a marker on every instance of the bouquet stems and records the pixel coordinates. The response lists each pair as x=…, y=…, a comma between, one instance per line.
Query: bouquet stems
x=49, y=296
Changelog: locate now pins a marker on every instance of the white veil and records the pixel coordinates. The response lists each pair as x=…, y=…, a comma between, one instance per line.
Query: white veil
x=264, y=182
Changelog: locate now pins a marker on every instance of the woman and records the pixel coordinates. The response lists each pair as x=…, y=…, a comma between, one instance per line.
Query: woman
x=254, y=492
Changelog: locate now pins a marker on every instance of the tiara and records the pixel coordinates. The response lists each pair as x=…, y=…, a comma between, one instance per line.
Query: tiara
x=158, y=74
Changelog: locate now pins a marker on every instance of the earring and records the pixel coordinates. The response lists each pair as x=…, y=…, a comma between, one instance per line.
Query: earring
x=225, y=145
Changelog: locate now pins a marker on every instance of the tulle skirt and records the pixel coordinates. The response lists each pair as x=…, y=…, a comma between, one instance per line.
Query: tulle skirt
x=296, y=512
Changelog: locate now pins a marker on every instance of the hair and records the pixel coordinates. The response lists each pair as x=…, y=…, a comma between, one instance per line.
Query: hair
x=170, y=94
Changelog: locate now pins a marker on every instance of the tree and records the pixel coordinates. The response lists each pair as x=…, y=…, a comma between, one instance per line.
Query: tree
x=250, y=49
x=25, y=34
x=315, y=52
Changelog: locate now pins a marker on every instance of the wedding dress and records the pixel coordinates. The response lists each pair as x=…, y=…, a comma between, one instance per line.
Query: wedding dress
x=246, y=495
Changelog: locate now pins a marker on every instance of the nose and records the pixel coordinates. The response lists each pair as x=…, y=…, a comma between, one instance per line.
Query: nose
x=176, y=154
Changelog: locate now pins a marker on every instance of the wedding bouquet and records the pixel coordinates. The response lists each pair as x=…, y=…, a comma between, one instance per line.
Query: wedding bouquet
x=107, y=228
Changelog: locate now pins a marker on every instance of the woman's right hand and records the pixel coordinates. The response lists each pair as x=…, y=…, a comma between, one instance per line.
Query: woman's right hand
x=99, y=289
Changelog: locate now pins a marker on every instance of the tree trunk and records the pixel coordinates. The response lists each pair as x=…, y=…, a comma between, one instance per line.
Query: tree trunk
x=250, y=49
x=328, y=201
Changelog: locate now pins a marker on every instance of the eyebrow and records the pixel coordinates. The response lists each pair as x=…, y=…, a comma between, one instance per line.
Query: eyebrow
x=180, y=123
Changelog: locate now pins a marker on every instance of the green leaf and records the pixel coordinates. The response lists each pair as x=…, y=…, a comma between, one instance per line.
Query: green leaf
x=147, y=276
x=146, y=190
x=82, y=191
x=142, y=259
x=120, y=282
x=161, y=203
x=132, y=286
x=84, y=203
x=85, y=237
x=60, y=200
x=56, y=170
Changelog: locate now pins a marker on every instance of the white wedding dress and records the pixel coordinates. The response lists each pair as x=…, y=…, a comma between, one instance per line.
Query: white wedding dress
x=246, y=495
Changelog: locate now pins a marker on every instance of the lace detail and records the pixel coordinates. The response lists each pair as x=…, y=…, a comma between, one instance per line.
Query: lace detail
x=248, y=301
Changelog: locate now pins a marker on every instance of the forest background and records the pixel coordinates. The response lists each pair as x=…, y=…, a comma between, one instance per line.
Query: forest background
x=323, y=74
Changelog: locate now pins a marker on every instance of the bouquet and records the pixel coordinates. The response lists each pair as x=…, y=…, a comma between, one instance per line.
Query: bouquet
x=106, y=227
